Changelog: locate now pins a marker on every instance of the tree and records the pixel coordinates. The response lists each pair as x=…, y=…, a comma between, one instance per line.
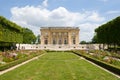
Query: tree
x=10, y=34
x=109, y=33
x=28, y=36
x=83, y=42
x=94, y=39
x=38, y=39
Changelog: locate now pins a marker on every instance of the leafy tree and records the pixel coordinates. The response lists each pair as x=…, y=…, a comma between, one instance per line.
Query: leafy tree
x=83, y=42
x=10, y=34
x=94, y=39
x=28, y=36
x=38, y=39
x=109, y=33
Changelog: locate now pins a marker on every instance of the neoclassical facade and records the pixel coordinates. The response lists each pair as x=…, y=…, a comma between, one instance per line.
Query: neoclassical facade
x=59, y=35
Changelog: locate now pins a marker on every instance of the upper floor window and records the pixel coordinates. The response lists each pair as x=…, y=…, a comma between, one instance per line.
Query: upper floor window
x=65, y=33
x=73, y=34
x=60, y=33
x=54, y=33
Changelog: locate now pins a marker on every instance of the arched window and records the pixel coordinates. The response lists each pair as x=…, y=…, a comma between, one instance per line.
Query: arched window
x=46, y=41
x=74, y=41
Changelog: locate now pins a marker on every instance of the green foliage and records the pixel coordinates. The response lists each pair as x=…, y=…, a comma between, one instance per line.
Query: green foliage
x=5, y=59
x=13, y=63
x=83, y=42
x=94, y=39
x=28, y=36
x=38, y=39
x=108, y=33
x=9, y=25
x=10, y=32
x=20, y=58
x=99, y=62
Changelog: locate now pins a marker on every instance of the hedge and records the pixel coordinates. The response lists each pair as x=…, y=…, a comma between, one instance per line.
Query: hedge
x=57, y=51
x=10, y=32
x=109, y=67
x=13, y=63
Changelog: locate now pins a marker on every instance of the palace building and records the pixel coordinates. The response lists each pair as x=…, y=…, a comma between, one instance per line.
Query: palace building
x=59, y=35
x=59, y=39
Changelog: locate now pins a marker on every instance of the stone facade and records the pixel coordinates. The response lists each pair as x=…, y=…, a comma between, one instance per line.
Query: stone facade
x=59, y=35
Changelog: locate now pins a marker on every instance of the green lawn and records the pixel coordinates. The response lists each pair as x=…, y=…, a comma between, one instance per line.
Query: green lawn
x=58, y=66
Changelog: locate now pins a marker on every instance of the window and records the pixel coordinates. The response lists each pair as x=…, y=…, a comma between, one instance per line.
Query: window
x=46, y=41
x=65, y=41
x=46, y=33
x=54, y=33
x=65, y=33
x=60, y=41
x=74, y=41
x=60, y=34
x=73, y=34
x=54, y=42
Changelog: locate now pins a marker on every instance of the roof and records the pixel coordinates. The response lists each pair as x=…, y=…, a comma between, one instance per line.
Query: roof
x=59, y=27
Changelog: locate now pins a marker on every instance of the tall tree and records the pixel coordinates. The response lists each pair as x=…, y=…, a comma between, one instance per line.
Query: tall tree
x=109, y=33
x=28, y=36
x=10, y=34
x=94, y=39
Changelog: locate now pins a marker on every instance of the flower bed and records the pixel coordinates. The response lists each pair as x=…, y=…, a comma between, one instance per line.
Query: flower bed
x=21, y=57
x=98, y=61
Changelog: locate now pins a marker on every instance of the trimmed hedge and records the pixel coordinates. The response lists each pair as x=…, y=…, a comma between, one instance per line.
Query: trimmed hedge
x=109, y=67
x=13, y=63
x=10, y=32
x=57, y=51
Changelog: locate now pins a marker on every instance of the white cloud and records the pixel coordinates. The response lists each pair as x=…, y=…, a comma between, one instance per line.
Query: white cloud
x=87, y=31
x=36, y=17
x=45, y=3
x=103, y=0
x=113, y=12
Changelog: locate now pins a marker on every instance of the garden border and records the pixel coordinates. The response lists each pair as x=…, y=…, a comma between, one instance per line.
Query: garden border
x=109, y=67
x=9, y=69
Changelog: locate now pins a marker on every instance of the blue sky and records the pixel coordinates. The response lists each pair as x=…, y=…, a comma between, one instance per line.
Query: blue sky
x=85, y=14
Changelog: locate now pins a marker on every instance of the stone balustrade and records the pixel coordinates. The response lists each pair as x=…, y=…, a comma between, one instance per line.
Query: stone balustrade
x=58, y=47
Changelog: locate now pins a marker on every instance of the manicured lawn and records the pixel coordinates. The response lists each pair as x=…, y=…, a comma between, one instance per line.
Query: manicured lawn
x=58, y=66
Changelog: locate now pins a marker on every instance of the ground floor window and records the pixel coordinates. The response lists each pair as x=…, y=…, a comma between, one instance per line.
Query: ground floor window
x=74, y=41
x=65, y=41
x=54, y=42
x=46, y=41
x=60, y=41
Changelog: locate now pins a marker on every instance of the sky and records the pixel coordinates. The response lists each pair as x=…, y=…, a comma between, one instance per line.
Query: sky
x=85, y=14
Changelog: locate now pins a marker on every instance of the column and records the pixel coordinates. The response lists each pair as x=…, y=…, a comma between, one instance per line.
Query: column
x=63, y=38
x=69, y=38
x=49, y=37
x=42, y=38
x=77, y=38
